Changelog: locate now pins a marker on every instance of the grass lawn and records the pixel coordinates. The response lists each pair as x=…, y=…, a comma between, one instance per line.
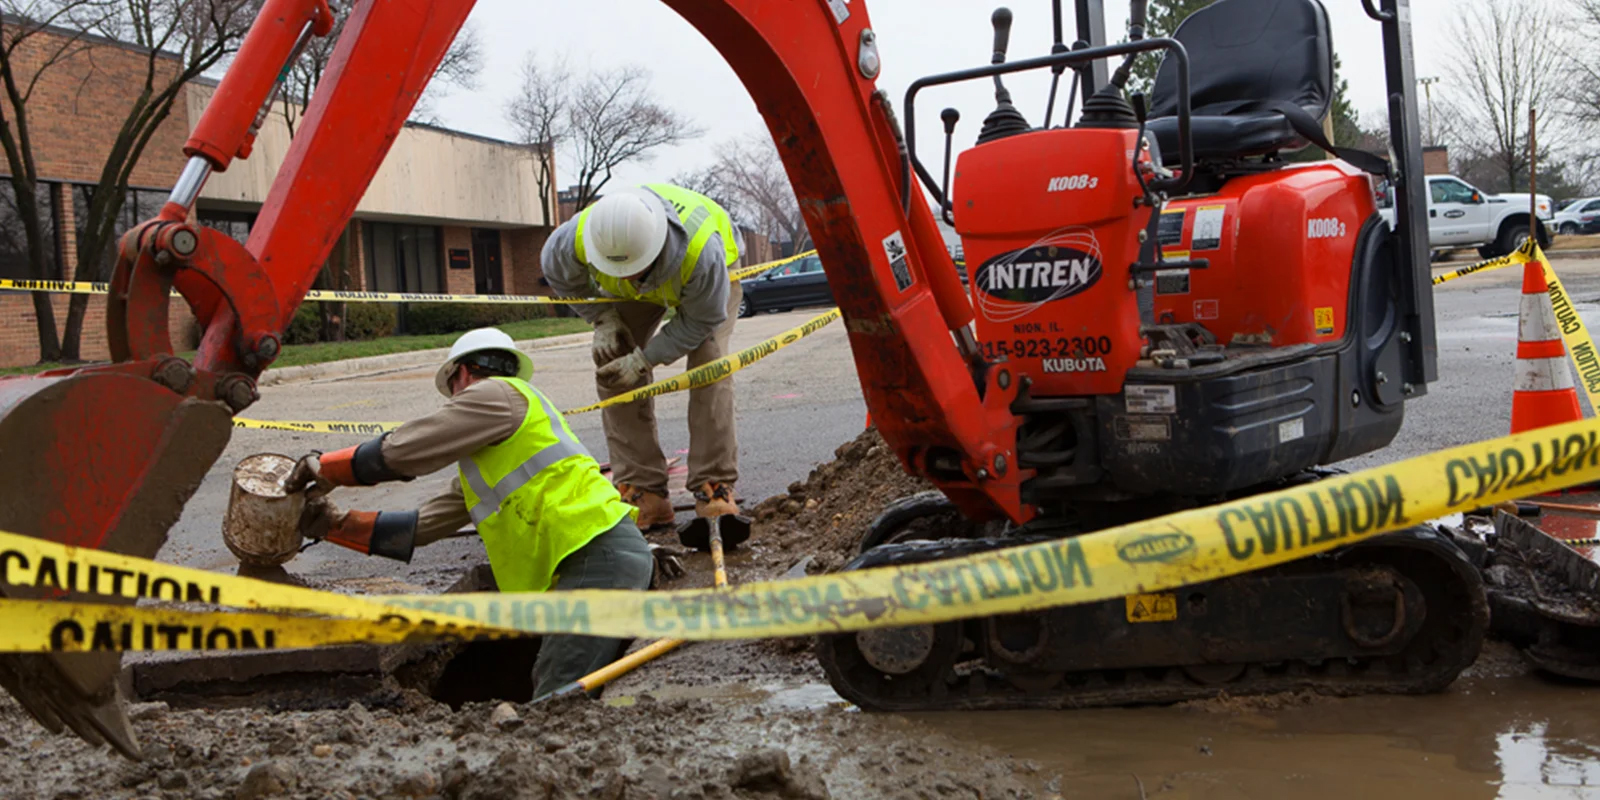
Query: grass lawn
x=1590, y=242
x=300, y=354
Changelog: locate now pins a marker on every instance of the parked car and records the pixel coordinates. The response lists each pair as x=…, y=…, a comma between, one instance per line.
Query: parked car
x=1580, y=216
x=1461, y=216
x=798, y=283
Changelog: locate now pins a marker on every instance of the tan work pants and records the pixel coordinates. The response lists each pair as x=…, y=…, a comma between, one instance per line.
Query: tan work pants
x=636, y=456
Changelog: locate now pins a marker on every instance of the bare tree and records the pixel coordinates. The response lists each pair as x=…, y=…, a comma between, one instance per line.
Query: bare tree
x=1508, y=58
x=540, y=112
x=458, y=70
x=750, y=174
x=614, y=118
x=175, y=40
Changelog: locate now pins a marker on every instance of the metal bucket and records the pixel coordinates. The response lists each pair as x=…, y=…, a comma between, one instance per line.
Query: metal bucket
x=262, y=526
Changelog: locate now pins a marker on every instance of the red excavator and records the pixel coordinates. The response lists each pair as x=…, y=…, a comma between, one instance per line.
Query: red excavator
x=1163, y=313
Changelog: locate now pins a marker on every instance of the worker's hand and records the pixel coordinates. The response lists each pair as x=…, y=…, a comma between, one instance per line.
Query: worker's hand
x=628, y=372
x=612, y=339
x=666, y=564
x=307, y=477
x=319, y=518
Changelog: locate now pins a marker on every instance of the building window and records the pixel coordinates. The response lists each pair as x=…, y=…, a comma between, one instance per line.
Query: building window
x=236, y=224
x=403, y=258
x=14, y=237
x=137, y=206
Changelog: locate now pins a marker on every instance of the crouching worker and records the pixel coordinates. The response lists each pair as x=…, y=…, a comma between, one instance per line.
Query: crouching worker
x=546, y=515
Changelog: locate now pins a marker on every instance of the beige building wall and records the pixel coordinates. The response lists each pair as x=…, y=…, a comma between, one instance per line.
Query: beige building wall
x=429, y=174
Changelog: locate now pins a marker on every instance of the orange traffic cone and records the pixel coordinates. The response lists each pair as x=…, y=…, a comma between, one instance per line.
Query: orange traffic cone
x=1544, y=392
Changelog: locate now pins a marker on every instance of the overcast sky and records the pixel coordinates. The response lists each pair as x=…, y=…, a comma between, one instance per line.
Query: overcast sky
x=916, y=38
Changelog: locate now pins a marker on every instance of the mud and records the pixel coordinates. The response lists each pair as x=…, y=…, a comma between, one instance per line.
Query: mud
x=571, y=748
x=826, y=514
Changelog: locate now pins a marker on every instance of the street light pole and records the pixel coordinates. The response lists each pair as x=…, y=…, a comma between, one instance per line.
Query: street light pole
x=1427, y=89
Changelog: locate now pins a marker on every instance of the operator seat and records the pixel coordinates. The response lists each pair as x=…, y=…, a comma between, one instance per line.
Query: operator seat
x=1243, y=56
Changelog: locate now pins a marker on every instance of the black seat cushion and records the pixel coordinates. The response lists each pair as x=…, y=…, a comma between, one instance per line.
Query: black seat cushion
x=1243, y=53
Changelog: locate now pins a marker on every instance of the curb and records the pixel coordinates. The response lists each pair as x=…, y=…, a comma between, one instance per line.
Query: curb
x=1559, y=254
x=393, y=361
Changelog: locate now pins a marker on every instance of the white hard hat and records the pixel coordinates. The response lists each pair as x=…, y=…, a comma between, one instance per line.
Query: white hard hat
x=625, y=231
x=477, y=341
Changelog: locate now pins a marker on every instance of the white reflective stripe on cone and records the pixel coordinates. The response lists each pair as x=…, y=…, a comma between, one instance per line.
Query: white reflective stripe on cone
x=1537, y=322
x=1543, y=374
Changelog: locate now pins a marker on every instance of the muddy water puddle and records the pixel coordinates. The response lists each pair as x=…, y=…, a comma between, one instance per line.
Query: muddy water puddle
x=1505, y=738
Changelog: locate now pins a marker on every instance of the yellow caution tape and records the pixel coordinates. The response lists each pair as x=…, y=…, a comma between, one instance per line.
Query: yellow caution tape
x=703, y=375
x=50, y=566
x=1580, y=347
x=1142, y=558
x=713, y=371
x=339, y=296
x=44, y=626
x=1521, y=255
x=55, y=287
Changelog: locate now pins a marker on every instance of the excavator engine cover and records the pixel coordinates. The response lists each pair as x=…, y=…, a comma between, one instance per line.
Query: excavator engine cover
x=98, y=459
x=1265, y=342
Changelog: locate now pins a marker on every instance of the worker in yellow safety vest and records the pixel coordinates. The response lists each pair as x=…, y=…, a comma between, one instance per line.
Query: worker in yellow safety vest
x=657, y=247
x=547, y=516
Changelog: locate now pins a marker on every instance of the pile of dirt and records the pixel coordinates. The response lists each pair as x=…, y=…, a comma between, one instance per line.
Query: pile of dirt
x=572, y=748
x=826, y=514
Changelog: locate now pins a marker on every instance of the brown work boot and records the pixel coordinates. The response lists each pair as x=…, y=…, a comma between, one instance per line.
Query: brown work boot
x=714, y=505
x=714, y=500
x=654, y=510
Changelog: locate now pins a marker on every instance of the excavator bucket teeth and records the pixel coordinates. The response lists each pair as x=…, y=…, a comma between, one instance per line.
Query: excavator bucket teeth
x=96, y=459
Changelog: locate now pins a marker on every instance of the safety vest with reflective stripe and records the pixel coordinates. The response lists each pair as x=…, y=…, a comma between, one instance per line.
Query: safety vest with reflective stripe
x=701, y=217
x=537, y=497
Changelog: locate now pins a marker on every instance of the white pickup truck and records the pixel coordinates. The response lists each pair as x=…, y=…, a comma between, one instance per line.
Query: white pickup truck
x=1460, y=216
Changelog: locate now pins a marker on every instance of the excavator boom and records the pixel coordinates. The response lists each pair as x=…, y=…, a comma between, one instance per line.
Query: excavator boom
x=119, y=482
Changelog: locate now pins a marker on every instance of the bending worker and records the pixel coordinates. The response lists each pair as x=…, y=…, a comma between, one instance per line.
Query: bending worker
x=546, y=515
x=658, y=247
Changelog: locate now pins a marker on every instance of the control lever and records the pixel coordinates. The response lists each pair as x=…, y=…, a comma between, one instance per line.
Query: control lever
x=1055, y=79
x=1137, y=19
x=1136, y=22
x=1001, y=18
x=1005, y=120
x=950, y=116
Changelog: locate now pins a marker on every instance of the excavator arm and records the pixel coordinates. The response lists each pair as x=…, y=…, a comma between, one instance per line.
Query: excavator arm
x=107, y=456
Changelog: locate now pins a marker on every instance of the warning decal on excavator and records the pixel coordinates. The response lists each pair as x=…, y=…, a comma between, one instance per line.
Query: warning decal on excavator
x=894, y=246
x=1145, y=558
x=1207, y=233
x=1323, y=318
x=1169, y=229
x=1152, y=607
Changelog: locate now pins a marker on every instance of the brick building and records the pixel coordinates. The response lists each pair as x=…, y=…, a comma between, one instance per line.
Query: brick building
x=447, y=212
x=1436, y=160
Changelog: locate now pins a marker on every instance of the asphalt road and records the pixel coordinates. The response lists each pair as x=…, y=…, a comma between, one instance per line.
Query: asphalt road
x=793, y=410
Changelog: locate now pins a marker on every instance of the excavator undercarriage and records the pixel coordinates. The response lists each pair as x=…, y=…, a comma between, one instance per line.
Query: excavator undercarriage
x=1403, y=613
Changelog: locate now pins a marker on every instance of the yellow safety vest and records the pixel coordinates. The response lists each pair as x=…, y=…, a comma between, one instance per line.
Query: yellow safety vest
x=537, y=497
x=701, y=217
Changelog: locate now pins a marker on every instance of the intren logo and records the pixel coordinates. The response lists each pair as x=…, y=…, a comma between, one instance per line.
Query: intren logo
x=1143, y=548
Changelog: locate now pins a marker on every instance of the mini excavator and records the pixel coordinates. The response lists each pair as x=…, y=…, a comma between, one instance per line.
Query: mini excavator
x=1162, y=313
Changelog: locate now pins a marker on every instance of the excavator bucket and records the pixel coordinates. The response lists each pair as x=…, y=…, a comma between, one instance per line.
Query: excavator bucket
x=104, y=459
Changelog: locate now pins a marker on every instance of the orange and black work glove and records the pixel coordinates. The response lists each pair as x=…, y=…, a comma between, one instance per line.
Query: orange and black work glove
x=389, y=534
x=317, y=473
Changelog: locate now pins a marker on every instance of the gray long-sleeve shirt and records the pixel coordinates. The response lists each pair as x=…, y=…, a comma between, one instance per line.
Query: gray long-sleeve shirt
x=704, y=303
